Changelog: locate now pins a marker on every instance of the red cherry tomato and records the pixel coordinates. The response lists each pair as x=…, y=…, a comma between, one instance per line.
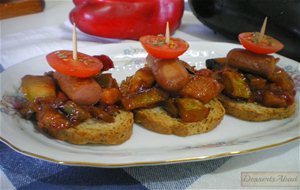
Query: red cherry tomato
x=85, y=66
x=157, y=47
x=250, y=40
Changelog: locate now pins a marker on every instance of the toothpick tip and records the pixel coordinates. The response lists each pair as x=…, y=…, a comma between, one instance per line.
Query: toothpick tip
x=167, y=35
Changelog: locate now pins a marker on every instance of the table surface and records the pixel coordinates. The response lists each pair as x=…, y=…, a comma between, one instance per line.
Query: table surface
x=281, y=159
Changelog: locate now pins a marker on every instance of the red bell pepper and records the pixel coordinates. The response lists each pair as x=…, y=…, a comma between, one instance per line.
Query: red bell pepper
x=126, y=19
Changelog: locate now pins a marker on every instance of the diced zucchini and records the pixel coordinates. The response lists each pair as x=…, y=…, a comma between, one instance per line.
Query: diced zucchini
x=37, y=86
x=142, y=79
x=101, y=114
x=170, y=106
x=216, y=63
x=256, y=83
x=191, y=110
x=75, y=112
x=106, y=80
x=235, y=84
x=143, y=99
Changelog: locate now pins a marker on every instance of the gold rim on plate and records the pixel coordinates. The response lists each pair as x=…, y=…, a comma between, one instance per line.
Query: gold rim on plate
x=180, y=160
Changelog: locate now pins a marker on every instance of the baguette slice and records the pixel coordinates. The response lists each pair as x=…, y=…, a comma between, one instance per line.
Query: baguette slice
x=94, y=131
x=254, y=112
x=157, y=120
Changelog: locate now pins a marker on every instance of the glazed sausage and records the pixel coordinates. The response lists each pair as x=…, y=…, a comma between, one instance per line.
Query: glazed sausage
x=245, y=60
x=170, y=74
x=83, y=91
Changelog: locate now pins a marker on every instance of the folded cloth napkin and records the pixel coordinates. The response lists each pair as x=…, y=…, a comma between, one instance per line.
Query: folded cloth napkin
x=31, y=173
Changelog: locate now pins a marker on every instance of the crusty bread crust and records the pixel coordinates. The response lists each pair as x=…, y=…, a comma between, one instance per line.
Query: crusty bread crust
x=254, y=112
x=157, y=120
x=94, y=131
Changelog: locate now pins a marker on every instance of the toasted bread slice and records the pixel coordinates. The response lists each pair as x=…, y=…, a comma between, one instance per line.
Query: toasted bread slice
x=158, y=120
x=254, y=112
x=94, y=131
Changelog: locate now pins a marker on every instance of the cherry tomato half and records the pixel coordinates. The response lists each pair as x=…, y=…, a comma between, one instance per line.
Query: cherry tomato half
x=157, y=47
x=250, y=41
x=85, y=66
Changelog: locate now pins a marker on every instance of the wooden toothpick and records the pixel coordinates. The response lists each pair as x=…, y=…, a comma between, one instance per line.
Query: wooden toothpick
x=263, y=30
x=74, y=42
x=167, y=35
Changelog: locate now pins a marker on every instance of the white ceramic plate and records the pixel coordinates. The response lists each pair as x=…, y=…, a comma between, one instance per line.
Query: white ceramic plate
x=232, y=137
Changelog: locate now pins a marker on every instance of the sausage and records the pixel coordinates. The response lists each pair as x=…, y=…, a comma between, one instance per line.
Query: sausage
x=83, y=91
x=245, y=60
x=170, y=74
